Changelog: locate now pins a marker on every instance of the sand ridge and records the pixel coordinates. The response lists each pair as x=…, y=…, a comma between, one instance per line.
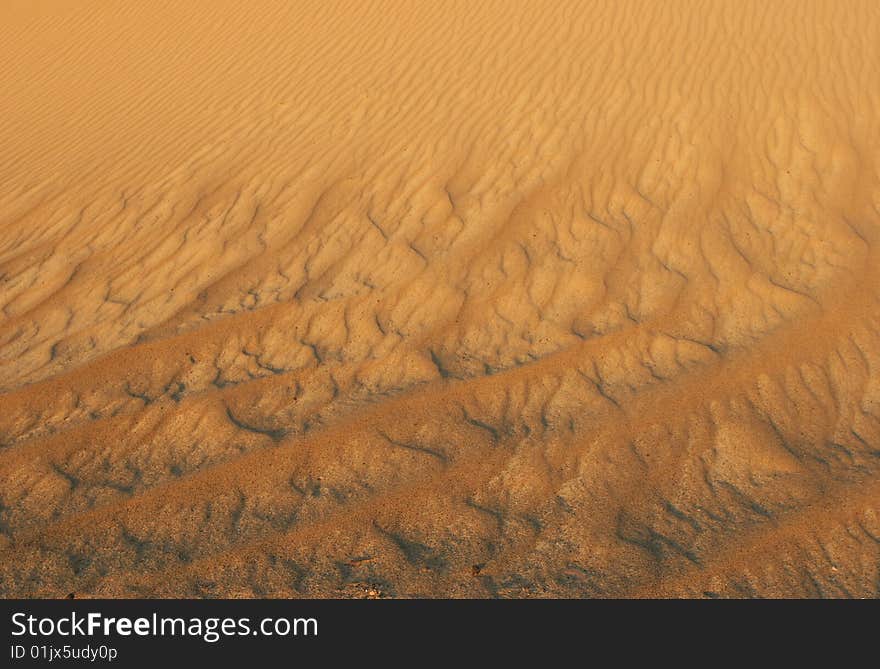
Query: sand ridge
x=428, y=299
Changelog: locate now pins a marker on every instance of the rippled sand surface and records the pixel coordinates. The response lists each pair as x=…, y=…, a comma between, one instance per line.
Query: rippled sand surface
x=369, y=299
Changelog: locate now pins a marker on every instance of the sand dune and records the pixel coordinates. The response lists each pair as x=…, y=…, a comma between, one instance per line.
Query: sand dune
x=394, y=299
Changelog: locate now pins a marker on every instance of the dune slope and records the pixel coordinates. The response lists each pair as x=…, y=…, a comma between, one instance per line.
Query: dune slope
x=440, y=299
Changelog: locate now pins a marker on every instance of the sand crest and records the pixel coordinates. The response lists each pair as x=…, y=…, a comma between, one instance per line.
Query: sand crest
x=376, y=299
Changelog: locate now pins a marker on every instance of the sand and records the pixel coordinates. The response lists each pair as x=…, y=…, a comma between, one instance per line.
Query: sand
x=440, y=299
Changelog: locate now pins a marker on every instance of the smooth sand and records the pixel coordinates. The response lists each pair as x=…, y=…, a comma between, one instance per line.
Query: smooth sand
x=440, y=299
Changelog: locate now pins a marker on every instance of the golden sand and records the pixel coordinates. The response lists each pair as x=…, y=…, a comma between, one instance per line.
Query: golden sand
x=440, y=298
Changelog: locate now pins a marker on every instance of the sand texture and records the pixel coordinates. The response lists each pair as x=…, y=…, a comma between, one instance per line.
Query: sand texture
x=468, y=299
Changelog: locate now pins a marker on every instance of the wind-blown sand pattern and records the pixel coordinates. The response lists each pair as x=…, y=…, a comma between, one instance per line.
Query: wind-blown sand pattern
x=311, y=299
